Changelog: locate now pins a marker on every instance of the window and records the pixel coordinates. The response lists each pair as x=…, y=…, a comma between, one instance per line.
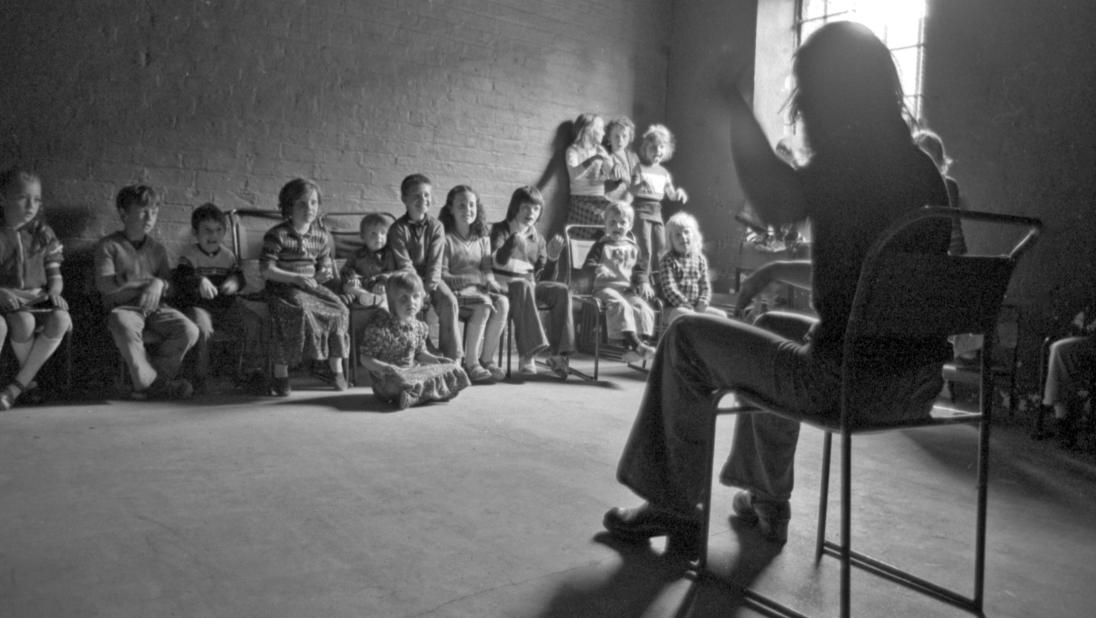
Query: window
x=899, y=23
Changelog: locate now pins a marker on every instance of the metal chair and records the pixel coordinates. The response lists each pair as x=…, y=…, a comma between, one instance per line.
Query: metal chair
x=898, y=295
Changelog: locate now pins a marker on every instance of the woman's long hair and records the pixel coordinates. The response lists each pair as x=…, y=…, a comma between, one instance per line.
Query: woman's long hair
x=847, y=92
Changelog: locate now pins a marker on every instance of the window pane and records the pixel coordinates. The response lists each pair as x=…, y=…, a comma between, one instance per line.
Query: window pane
x=903, y=32
x=812, y=9
x=909, y=69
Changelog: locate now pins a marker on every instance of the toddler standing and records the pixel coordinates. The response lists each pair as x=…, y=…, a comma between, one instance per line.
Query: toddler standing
x=652, y=183
x=620, y=281
x=309, y=320
x=394, y=346
x=466, y=269
x=683, y=283
x=30, y=281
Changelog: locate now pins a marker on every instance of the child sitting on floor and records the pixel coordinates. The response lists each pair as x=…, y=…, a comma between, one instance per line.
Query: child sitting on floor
x=683, y=283
x=620, y=281
x=207, y=280
x=394, y=350
x=30, y=281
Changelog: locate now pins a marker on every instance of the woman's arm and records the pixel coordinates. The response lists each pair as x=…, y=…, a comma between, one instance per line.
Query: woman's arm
x=771, y=186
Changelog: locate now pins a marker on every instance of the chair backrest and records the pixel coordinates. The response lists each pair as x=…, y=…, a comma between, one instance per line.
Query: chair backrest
x=578, y=240
x=904, y=296
x=247, y=227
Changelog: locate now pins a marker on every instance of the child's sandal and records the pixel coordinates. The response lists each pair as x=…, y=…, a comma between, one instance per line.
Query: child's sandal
x=10, y=394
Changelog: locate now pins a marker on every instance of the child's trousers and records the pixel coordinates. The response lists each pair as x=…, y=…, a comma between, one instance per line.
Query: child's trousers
x=128, y=327
x=626, y=312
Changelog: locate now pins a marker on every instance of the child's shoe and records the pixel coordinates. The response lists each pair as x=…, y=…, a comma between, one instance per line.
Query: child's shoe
x=497, y=373
x=527, y=366
x=646, y=352
x=478, y=375
x=281, y=387
x=404, y=400
x=560, y=365
x=10, y=394
x=631, y=357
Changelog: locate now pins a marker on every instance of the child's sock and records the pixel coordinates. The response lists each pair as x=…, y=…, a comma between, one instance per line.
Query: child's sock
x=281, y=371
x=38, y=353
x=21, y=349
x=630, y=340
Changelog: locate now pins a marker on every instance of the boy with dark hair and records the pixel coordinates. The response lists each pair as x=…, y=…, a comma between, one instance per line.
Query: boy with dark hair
x=131, y=275
x=207, y=280
x=418, y=242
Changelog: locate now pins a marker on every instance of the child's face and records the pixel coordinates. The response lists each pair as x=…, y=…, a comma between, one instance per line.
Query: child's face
x=654, y=151
x=375, y=237
x=617, y=225
x=684, y=240
x=139, y=219
x=619, y=138
x=464, y=209
x=306, y=208
x=528, y=214
x=22, y=203
x=417, y=200
x=597, y=130
x=406, y=304
x=210, y=234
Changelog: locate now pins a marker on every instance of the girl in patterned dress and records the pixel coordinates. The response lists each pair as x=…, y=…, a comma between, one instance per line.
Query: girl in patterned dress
x=30, y=281
x=310, y=321
x=394, y=350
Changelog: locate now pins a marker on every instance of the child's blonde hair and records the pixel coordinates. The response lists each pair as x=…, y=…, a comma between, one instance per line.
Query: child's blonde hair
x=583, y=124
x=619, y=208
x=682, y=220
x=659, y=134
x=930, y=142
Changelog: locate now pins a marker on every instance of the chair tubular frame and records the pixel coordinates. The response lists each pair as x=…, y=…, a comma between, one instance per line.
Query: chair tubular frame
x=860, y=322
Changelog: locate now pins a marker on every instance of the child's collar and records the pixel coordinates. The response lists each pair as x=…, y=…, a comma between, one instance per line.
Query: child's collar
x=207, y=253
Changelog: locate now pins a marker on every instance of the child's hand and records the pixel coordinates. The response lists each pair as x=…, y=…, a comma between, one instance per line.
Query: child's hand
x=55, y=298
x=645, y=291
x=378, y=289
x=149, y=300
x=8, y=301
x=680, y=196
x=230, y=286
x=306, y=282
x=206, y=289
x=555, y=247
x=701, y=306
x=493, y=286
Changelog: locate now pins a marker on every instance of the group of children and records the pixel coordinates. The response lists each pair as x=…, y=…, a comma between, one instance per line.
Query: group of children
x=469, y=272
x=623, y=190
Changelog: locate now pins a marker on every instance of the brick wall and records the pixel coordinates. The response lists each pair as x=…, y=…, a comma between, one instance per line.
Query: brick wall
x=227, y=100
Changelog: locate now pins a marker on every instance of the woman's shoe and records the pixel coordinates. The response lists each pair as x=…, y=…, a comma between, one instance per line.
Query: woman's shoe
x=771, y=517
x=643, y=522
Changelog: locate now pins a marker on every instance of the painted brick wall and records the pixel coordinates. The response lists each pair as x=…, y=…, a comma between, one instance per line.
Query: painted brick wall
x=227, y=100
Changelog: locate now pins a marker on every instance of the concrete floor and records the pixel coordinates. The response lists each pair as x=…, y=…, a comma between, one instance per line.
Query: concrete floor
x=328, y=504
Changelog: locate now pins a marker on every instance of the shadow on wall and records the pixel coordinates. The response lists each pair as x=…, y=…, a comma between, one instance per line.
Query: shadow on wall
x=554, y=183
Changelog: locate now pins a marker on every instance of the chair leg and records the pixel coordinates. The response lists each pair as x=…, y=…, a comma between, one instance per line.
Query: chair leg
x=823, y=499
x=980, y=525
x=701, y=563
x=597, y=347
x=846, y=522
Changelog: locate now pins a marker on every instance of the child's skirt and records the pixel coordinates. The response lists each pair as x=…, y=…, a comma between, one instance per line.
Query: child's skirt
x=307, y=324
x=420, y=384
